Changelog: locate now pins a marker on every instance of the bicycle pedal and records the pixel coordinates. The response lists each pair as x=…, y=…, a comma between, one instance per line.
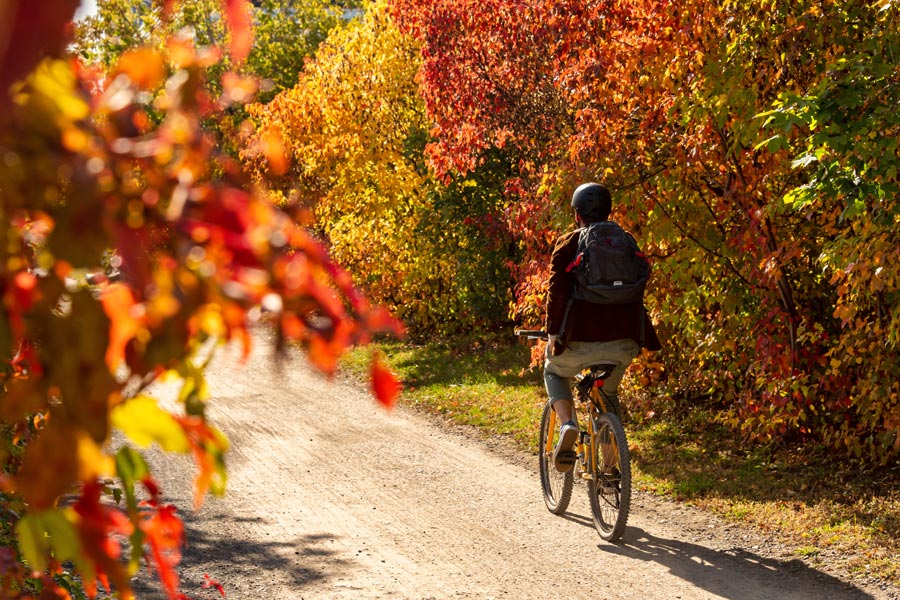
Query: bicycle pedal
x=565, y=459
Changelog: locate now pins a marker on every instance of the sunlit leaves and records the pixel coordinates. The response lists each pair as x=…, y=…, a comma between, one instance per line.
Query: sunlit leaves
x=284, y=32
x=486, y=79
x=753, y=149
x=143, y=421
x=131, y=244
x=351, y=135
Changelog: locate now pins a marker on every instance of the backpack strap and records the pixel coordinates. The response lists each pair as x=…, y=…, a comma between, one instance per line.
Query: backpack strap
x=579, y=256
x=562, y=326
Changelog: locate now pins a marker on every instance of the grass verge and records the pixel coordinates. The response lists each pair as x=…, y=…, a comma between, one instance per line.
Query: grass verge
x=818, y=504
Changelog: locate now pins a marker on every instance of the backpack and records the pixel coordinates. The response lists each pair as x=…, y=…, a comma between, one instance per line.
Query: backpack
x=608, y=268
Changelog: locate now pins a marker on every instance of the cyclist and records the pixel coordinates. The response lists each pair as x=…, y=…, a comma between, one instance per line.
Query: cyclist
x=591, y=332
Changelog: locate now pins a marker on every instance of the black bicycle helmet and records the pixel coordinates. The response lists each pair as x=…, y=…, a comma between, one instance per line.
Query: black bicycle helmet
x=592, y=202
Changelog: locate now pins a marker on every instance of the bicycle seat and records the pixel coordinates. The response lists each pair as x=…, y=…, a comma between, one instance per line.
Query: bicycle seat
x=602, y=370
x=594, y=375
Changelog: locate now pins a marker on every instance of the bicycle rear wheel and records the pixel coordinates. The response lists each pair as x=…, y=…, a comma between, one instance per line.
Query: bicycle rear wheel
x=557, y=487
x=609, y=489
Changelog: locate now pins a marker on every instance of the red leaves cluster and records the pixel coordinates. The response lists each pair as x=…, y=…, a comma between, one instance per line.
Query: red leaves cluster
x=485, y=73
x=384, y=383
x=164, y=534
x=663, y=102
x=114, y=172
x=100, y=527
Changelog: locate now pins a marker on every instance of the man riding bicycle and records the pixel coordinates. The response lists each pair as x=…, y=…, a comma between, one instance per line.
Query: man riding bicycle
x=582, y=332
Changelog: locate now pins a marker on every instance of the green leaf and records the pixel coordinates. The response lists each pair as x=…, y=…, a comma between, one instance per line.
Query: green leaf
x=144, y=422
x=194, y=391
x=131, y=467
x=33, y=542
x=773, y=144
x=63, y=537
x=51, y=532
x=855, y=208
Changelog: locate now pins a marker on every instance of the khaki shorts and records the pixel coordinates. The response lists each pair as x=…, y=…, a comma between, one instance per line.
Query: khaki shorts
x=559, y=369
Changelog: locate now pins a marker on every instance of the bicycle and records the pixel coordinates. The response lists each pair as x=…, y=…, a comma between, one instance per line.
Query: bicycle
x=602, y=457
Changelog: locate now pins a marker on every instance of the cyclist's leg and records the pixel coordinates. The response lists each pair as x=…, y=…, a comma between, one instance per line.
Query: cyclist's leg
x=558, y=372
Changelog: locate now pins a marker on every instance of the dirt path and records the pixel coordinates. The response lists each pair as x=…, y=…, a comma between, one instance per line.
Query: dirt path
x=331, y=497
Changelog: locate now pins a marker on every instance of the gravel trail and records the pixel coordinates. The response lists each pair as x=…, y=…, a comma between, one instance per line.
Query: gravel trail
x=329, y=496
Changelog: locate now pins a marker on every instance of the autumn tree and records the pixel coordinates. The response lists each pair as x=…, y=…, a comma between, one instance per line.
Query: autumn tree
x=840, y=133
x=354, y=130
x=90, y=187
x=286, y=33
x=711, y=122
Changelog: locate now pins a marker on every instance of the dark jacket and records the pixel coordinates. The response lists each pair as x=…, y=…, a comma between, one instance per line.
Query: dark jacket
x=589, y=321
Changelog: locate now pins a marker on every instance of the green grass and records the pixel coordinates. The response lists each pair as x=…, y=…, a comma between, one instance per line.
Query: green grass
x=476, y=382
x=812, y=500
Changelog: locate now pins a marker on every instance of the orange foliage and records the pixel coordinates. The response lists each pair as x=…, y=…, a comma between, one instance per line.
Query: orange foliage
x=129, y=239
x=384, y=384
x=745, y=145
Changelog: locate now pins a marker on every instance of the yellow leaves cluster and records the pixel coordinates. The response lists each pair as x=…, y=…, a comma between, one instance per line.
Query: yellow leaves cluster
x=51, y=87
x=351, y=109
x=342, y=133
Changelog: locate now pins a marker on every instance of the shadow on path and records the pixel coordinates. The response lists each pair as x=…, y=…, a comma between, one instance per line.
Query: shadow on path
x=246, y=569
x=727, y=573
x=578, y=519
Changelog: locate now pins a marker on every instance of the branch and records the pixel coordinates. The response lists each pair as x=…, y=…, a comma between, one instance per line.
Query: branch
x=724, y=259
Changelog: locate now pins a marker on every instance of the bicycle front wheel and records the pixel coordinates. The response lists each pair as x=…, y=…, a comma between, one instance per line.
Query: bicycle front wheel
x=610, y=487
x=557, y=486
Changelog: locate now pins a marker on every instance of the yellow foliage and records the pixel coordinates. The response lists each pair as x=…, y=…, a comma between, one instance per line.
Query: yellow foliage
x=344, y=129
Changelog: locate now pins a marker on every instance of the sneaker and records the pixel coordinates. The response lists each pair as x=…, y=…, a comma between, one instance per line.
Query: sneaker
x=563, y=454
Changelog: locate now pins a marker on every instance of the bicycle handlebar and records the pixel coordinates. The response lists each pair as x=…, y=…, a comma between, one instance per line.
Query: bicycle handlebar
x=533, y=334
